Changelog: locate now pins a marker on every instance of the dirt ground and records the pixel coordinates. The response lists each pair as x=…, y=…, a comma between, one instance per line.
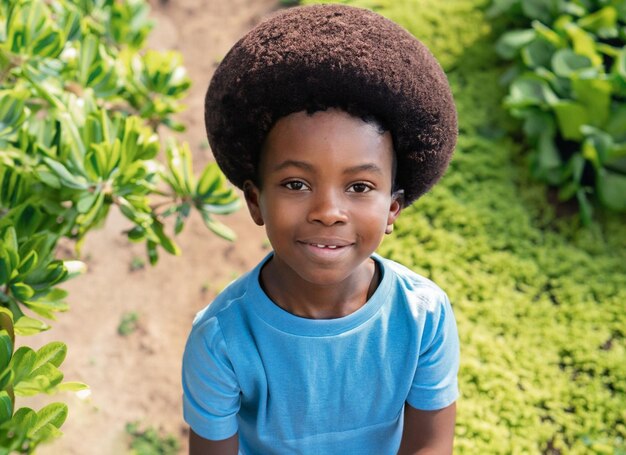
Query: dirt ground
x=137, y=377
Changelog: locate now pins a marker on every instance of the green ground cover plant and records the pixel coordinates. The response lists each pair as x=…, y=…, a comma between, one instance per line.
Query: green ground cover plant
x=80, y=103
x=540, y=300
x=150, y=441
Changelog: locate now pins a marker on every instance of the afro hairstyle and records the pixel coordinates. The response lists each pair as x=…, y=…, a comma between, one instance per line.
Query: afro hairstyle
x=310, y=58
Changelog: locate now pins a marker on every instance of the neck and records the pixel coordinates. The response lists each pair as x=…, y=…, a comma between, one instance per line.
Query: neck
x=314, y=301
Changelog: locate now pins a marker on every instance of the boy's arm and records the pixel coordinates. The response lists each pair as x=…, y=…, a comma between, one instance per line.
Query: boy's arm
x=428, y=432
x=200, y=446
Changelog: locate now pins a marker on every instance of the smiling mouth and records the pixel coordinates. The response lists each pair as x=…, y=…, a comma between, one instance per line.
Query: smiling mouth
x=326, y=244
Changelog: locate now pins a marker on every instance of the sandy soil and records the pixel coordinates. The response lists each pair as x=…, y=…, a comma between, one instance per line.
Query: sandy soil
x=137, y=377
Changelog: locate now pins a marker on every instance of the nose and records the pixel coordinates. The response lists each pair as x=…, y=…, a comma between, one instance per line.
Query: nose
x=327, y=208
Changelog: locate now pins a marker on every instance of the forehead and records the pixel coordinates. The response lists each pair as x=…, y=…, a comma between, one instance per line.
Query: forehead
x=332, y=136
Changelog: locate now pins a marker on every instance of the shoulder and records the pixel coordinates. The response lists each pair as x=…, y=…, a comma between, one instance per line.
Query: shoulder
x=230, y=300
x=419, y=293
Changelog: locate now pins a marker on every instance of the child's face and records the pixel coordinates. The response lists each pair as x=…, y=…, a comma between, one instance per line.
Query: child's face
x=325, y=193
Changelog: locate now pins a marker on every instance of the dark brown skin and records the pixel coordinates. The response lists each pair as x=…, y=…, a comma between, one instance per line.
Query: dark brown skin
x=327, y=179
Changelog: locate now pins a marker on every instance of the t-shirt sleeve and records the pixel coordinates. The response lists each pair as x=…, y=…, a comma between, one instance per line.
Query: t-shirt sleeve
x=435, y=384
x=210, y=387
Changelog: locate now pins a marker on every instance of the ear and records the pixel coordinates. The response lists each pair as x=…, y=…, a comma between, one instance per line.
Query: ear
x=252, y=195
x=397, y=202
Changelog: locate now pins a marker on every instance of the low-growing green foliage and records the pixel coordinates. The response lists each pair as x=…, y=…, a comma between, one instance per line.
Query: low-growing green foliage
x=540, y=300
x=128, y=323
x=149, y=441
x=568, y=85
x=80, y=104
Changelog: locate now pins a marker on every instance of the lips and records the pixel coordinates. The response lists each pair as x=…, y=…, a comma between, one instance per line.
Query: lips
x=330, y=244
x=326, y=249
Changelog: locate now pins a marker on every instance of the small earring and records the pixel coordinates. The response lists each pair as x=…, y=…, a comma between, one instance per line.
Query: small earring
x=389, y=229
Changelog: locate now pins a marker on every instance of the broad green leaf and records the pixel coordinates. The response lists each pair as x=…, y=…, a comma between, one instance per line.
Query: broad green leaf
x=29, y=262
x=29, y=326
x=6, y=322
x=570, y=117
x=24, y=419
x=542, y=10
x=602, y=22
x=72, y=386
x=53, y=353
x=510, y=44
x=584, y=44
x=53, y=414
x=22, y=363
x=612, y=189
x=46, y=433
x=549, y=35
x=616, y=125
x=41, y=380
x=566, y=62
x=22, y=291
x=6, y=379
x=6, y=407
x=6, y=349
x=538, y=54
x=595, y=94
x=86, y=201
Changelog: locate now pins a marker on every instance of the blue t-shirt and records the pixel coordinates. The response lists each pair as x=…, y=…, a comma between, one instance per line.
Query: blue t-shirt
x=292, y=385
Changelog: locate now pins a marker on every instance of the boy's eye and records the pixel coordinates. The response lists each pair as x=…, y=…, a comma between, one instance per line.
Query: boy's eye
x=359, y=188
x=296, y=185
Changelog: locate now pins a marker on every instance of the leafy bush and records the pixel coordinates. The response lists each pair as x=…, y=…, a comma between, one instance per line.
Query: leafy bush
x=568, y=84
x=150, y=442
x=80, y=103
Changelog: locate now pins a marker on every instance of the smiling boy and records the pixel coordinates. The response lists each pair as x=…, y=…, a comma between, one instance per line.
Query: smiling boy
x=331, y=119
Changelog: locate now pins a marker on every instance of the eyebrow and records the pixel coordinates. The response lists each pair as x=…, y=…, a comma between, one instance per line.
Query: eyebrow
x=371, y=167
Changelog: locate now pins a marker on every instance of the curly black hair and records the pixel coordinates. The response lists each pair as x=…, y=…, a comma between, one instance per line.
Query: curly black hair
x=311, y=58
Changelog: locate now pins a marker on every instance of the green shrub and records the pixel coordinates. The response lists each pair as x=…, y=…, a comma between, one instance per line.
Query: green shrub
x=568, y=85
x=80, y=103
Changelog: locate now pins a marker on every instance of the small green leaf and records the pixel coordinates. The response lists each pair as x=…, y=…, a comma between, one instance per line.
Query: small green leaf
x=53, y=353
x=6, y=322
x=6, y=349
x=612, y=189
x=29, y=262
x=565, y=62
x=510, y=43
x=22, y=291
x=53, y=414
x=168, y=244
x=22, y=362
x=72, y=386
x=153, y=254
x=28, y=326
x=570, y=117
x=6, y=407
x=602, y=22
x=218, y=228
x=65, y=176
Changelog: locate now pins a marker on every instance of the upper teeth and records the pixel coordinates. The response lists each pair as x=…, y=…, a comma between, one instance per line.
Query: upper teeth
x=325, y=246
